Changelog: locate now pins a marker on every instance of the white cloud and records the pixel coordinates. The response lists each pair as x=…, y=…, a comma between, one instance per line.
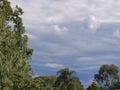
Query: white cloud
x=53, y=65
x=43, y=12
x=59, y=29
x=55, y=18
x=91, y=23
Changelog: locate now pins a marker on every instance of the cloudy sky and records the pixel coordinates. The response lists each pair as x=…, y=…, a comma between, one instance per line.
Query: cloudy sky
x=79, y=34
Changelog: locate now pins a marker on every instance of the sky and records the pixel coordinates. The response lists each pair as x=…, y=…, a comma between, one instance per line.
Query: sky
x=79, y=34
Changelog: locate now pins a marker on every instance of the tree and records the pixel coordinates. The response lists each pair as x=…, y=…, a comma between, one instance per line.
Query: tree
x=66, y=80
x=115, y=86
x=107, y=75
x=93, y=86
x=14, y=50
x=41, y=82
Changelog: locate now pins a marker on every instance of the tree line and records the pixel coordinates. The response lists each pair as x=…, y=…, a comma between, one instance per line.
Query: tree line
x=16, y=72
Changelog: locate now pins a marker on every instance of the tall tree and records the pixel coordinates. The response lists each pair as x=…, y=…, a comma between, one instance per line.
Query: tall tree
x=107, y=75
x=14, y=50
x=66, y=80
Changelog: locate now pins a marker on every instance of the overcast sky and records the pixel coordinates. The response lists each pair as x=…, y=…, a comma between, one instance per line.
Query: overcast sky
x=79, y=34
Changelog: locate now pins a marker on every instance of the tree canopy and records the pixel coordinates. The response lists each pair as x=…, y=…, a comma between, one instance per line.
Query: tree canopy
x=66, y=80
x=14, y=50
x=115, y=86
x=93, y=86
x=107, y=75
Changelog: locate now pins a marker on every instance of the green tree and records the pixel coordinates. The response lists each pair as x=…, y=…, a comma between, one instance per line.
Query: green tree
x=115, y=86
x=107, y=75
x=66, y=80
x=93, y=86
x=42, y=82
x=14, y=50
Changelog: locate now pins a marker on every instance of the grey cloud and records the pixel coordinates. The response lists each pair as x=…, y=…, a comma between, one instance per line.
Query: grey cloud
x=45, y=11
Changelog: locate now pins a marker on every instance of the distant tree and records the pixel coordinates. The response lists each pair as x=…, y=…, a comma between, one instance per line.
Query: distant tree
x=93, y=86
x=107, y=75
x=66, y=80
x=14, y=50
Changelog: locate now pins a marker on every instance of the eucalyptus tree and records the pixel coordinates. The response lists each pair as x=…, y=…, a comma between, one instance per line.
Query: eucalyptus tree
x=14, y=50
x=107, y=75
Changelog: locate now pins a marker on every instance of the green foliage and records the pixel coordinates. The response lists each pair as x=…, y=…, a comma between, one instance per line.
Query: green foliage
x=115, y=86
x=108, y=74
x=66, y=81
x=14, y=51
x=93, y=86
x=64, y=75
x=44, y=81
